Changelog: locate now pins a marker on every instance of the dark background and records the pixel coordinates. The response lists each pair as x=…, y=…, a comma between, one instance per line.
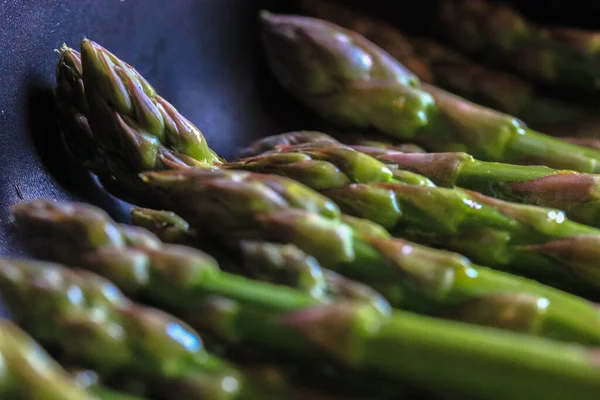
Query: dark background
x=201, y=55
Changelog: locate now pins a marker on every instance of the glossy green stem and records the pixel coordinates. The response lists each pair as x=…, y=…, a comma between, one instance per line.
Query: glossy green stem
x=413, y=348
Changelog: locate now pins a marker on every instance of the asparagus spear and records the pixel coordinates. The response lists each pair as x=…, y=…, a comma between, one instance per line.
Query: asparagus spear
x=557, y=55
x=350, y=81
x=29, y=373
x=436, y=64
x=575, y=193
x=95, y=325
x=400, y=346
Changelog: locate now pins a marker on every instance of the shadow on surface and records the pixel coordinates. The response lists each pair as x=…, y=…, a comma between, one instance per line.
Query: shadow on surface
x=66, y=171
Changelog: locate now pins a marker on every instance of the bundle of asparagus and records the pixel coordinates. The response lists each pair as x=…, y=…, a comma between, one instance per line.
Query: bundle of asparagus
x=323, y=289
x=495, y=233
x=353, y=333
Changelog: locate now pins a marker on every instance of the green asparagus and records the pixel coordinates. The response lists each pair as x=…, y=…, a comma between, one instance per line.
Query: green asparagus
x=436, y=64
x=491, y=231
x=245, y=206
x=398, y=346
x=412, y=276
x=495, y=30
x=29, y=373
x=575, y=193
x=93, y=324
x=350, y=81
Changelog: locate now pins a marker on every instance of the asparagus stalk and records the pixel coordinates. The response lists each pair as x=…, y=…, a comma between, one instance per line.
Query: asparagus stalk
x=93, y=324
x=436, y=64
x=349, y=81
x=575, y=193
x=29, y=373
x=400, y=346
x=557, y=55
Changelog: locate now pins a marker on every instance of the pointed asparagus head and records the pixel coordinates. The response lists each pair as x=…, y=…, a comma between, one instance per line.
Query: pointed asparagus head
x=273, y=142
x=69, y=79
x=311, y=56
x=283, y=264
x=236, y=192
x=72, y=110
x=65, y=231
x=167, y=225
x=129, y=118
x=78, y=226
x=520, y=312
x=342, y=76
x=329, y=240
x=339, y=329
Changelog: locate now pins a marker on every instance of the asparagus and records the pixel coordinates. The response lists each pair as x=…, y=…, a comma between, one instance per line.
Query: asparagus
x=429, y=281
x=497, y=232
x=350, y=81
x=575, y=193
x=491, y=231
x=93, y=324
x=399, y=346
x=439, y=65
x=273, y=142
x=239, y=206
x=29, y=373
x=556, y=55
x=271, y=262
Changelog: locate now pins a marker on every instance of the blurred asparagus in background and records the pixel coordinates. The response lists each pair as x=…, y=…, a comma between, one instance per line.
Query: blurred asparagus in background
x=29, y=373
x=497, y=32
x=326, y=68
x=439, y=65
